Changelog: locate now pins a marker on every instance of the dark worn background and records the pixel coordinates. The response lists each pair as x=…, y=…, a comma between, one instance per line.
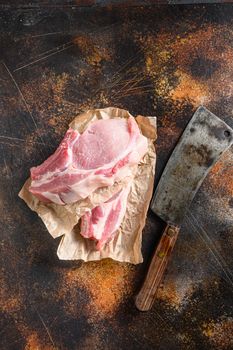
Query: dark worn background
x=151, y=60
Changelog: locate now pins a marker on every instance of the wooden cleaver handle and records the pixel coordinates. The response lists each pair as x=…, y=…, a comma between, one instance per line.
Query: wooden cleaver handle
x=145, y=298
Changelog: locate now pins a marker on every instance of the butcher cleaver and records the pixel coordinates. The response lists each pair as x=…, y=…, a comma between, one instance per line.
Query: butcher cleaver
x=203, y=141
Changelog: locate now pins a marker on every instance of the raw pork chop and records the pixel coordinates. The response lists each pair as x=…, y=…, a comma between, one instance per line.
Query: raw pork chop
x=103, y=154
x=104, y=220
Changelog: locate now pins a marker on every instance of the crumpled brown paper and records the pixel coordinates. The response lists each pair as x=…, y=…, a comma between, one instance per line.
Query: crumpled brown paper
x=63, y=220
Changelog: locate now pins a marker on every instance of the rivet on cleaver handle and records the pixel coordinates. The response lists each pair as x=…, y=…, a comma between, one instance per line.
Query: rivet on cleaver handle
x=204, y=140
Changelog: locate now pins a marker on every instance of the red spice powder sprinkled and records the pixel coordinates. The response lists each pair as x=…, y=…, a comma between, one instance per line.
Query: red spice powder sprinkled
x=107, y=283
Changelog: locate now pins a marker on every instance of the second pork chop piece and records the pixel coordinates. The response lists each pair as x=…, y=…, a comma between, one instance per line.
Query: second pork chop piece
x=102, y=222
x=103, y=154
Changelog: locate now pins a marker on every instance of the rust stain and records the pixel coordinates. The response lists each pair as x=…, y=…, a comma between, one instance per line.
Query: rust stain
x=11, y=303
x=204, y=64
x=206, y=42
x=47, y=96
x=168, y=132
x=107, y=283
x=52, y=122
x=166, y=136
x=221, y=175
x=219, y=333
x=185, y=48
x=157, y=58
x=195, y=66
x=199, y=154
x=35, y=339
x=92, y=52
x=176, y=292
x=33, y=342
x=191, y=89
x=93, y=341
x=219, y=185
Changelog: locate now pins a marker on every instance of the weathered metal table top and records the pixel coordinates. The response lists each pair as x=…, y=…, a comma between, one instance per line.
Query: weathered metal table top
x=162, y=61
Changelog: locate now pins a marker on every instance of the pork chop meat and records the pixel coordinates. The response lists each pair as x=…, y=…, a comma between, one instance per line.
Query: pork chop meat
x=102, y=222
x=104, y=153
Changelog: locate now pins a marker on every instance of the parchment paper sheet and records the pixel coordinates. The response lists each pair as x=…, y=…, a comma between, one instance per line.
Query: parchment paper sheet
x=63, y=220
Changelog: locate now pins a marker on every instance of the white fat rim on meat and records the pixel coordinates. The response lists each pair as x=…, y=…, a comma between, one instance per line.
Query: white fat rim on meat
x=91, y=182
x=141, y=140
x=49, y=175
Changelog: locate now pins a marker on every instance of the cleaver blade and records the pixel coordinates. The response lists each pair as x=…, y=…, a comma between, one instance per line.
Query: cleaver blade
x=203, y=141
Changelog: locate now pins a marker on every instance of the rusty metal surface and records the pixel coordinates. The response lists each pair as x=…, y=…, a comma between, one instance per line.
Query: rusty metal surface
x=202, y=143
x=56, y=63
x=25, y=4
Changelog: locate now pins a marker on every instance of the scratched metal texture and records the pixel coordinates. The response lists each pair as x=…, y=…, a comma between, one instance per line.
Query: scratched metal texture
x=203, y=141
x=162, y=61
